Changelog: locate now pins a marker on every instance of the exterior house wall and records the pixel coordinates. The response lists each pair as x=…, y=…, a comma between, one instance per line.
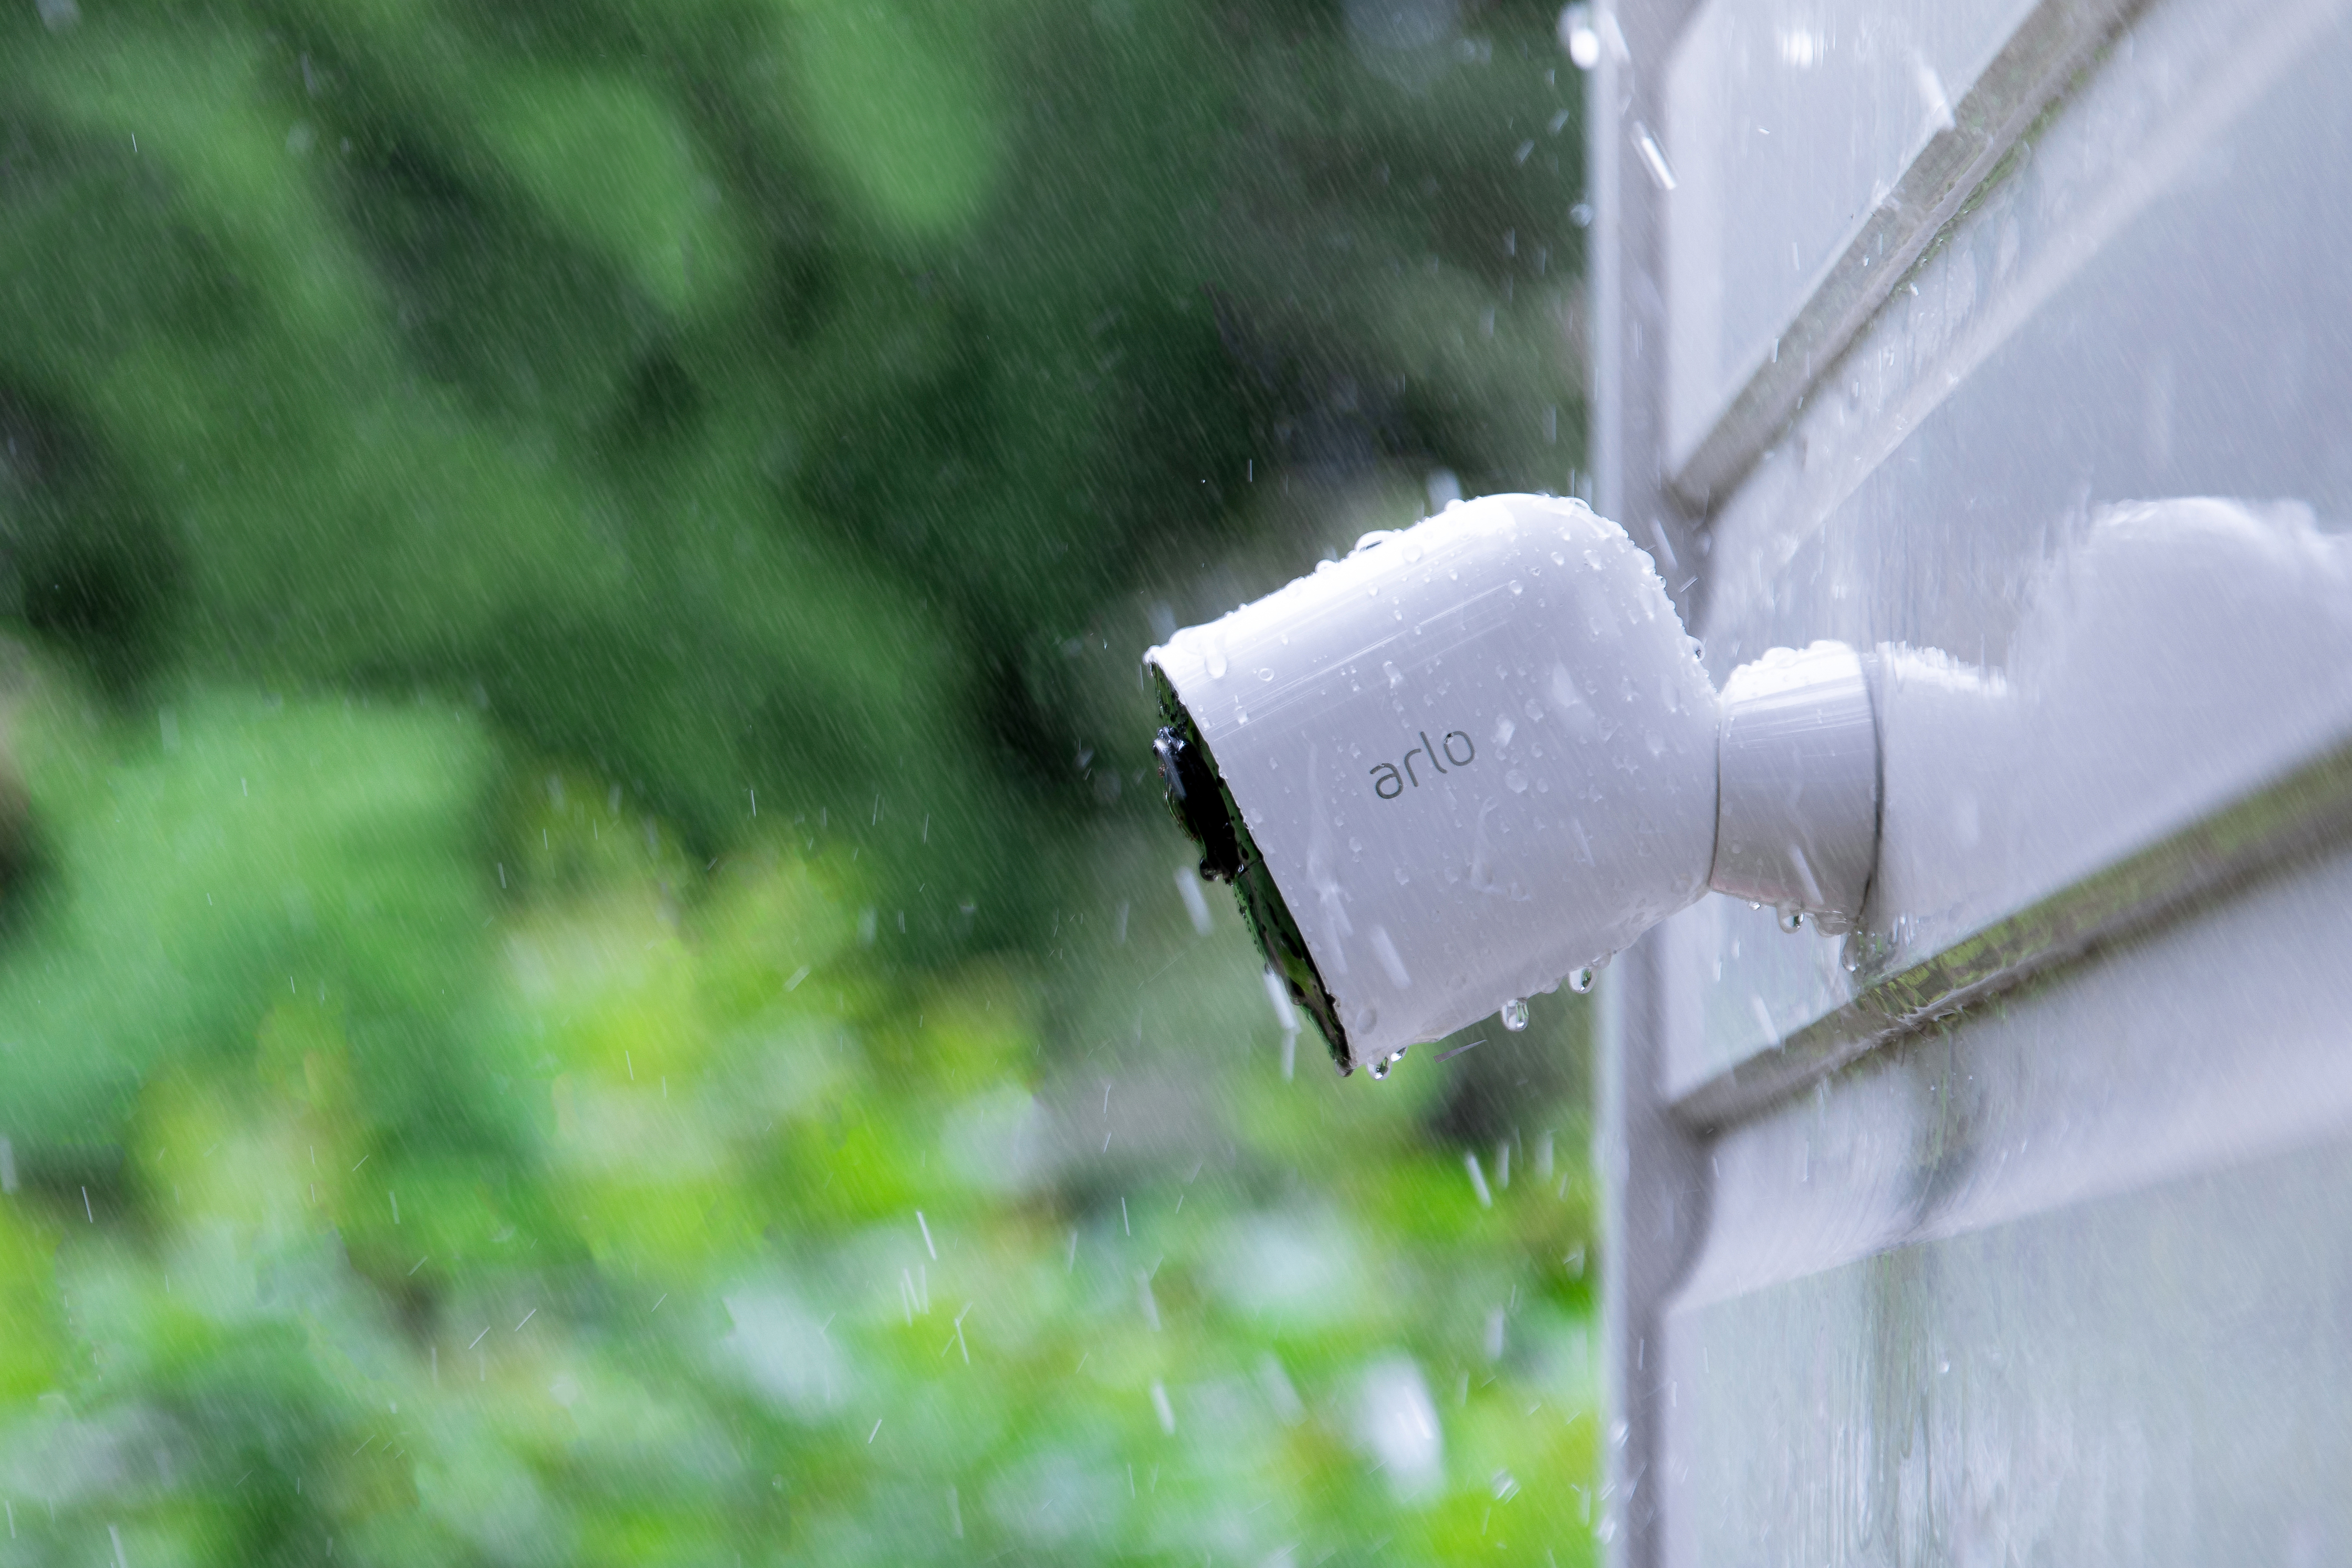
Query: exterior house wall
x=2009, y=342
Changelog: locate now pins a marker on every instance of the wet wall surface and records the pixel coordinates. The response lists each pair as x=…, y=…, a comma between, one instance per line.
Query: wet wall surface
x=2060, y=1278
x=2065, y=1283
x=2084, y=492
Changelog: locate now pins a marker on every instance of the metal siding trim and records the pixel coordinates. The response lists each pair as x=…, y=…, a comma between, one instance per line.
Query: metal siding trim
x=2275, y=827
x=2031, y=72
x=1653, y=1174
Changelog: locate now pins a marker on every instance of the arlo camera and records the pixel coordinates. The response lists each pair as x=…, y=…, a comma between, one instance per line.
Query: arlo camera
x=1480, y=755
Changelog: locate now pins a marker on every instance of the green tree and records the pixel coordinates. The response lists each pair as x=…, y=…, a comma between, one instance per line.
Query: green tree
x=577, y=849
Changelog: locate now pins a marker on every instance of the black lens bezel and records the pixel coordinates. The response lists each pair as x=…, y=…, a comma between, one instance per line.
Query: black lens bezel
x=1204, y=807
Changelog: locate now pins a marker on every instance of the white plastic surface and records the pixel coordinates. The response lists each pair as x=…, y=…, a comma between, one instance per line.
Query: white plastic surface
x=1797, y=820
x=1476, y=755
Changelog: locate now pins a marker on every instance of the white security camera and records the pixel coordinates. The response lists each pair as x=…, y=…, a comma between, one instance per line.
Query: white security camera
x=1479, y=755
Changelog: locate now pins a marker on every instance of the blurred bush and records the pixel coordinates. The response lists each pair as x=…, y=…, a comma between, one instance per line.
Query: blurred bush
x=589, y=969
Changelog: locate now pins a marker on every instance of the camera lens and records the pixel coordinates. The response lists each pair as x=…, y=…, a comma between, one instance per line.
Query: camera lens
x=1197, y=803
x=1202, y=807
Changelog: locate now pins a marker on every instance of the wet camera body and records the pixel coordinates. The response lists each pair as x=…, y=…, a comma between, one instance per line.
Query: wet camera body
x=1480, y=755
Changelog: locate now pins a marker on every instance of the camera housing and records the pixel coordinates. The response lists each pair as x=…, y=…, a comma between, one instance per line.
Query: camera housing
x=1480, y=755
x=1468, y=759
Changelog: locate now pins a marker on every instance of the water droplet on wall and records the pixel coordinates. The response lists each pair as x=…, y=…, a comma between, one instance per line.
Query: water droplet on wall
x=1514, y=1014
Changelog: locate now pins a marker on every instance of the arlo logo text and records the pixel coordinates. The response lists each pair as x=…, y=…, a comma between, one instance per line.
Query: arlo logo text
x=1389, y=783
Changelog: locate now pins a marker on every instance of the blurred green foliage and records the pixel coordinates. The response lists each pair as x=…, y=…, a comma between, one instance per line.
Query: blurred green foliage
x=589, y=971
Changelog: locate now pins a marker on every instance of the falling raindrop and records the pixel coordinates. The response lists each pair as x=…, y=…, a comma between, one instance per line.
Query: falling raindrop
x=1277, y=994
x=1196, y=907
x=1579, y=37
x=1478, y=1180
x=1653, y=157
